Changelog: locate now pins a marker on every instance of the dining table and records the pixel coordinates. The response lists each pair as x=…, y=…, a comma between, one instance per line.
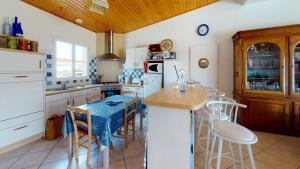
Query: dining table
x=105, y=118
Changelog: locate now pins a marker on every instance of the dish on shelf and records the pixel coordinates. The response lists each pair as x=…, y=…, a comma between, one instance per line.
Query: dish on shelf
x=166, y=45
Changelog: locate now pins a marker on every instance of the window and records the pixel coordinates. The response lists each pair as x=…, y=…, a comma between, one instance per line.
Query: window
x=71, y=60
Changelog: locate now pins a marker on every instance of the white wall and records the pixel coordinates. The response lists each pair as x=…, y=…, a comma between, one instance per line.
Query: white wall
x=44, y=27
x=224, y=19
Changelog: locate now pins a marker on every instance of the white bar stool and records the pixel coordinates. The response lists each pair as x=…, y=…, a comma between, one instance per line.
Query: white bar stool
x=229, y=131
x=202, y=114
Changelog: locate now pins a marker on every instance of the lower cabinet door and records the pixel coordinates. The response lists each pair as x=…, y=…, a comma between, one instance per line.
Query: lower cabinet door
x=78, y=101
x=269, y=115
x=58, y=107
x=296, y=116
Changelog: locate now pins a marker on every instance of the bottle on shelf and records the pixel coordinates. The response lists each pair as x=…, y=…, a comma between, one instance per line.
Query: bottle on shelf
x=15, y=27
x=7, y=27
x=20, y=30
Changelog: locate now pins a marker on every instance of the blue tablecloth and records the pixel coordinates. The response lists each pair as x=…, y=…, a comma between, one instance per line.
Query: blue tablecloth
x=105, y=119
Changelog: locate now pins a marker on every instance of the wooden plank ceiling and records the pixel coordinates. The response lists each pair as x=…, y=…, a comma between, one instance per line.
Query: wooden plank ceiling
x=123, y=15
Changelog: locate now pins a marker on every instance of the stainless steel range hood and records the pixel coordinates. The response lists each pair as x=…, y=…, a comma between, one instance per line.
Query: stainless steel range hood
x=109, y=56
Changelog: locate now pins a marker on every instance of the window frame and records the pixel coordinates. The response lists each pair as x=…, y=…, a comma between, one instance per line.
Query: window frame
x=73, y=77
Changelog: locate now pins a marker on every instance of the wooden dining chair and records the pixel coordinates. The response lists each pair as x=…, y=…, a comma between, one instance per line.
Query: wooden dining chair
x=129, y=92
x=129, y=120
x=95, y=97
x=82, y=128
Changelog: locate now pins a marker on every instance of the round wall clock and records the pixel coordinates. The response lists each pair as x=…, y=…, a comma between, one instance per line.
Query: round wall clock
x=203, y=30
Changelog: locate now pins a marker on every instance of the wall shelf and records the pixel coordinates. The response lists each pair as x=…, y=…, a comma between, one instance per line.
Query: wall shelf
x=21, y=51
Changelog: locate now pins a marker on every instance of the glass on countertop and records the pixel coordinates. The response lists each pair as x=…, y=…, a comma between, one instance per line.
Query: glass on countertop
x=263, y=67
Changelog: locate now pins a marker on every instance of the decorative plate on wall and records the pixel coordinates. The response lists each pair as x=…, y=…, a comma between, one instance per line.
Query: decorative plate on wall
x=203, y=63
x=166, y=45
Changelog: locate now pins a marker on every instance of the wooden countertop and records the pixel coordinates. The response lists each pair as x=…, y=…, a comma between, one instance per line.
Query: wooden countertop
x=192, y=99
x=54, y=92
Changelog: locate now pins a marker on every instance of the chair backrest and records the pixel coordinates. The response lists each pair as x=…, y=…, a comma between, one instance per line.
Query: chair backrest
x=130, y=109
x=214, y=95
x=77, y=121
x=219, y=108
x=95, y=97
x=129, y=93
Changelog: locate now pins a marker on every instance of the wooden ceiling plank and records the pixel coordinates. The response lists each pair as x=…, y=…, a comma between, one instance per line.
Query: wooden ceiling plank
x=123, y=15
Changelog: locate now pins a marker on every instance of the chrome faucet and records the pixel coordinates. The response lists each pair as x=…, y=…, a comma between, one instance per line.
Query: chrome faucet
x=64, y=85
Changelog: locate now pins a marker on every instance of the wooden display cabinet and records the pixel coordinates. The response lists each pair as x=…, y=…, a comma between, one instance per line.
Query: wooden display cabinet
x=267, y=78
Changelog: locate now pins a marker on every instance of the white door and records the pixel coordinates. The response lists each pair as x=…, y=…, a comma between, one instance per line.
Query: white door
x=140, y=56
x=208, y=77
x=152, y=83
x=130, y=62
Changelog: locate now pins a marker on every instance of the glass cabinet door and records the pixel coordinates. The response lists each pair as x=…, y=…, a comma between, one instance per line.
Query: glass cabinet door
x=295, y=64
x=264, y=60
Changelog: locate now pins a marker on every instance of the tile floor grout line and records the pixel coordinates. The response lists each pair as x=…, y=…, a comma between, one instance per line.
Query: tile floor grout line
x=48, y=153
x=124, y=158
x=22, y=154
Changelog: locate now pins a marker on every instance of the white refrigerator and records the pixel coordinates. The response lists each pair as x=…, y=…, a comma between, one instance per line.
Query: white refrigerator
x=152, y=83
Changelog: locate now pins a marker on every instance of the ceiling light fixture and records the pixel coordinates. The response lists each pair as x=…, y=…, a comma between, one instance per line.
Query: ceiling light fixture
x=79, y=21
x=99, y=6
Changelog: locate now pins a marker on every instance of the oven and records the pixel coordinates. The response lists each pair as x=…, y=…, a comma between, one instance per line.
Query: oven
x=110, y=90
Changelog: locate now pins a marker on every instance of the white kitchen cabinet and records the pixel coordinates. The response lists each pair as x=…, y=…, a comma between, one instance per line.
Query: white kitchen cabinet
x=130, y=58
x=140, y=56
x=21, y=62
x=22, y=98
x=138, y=90
x=18, y=99
x=78, y=101
x=96, y=90
x=135, y=58
x=57, y=104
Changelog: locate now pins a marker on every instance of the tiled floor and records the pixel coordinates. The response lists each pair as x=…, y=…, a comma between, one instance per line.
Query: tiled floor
x=271, y=152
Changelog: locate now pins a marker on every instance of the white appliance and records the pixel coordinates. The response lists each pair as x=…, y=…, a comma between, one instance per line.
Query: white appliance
x=154, y=67
x=152, y=83
x=208, y=77
x=170, y=76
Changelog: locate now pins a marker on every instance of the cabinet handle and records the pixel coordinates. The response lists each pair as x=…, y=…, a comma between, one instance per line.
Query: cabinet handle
x=68, y=103
x=19, y=128
x=73, y=102
x=21, y=76
x=40, y=64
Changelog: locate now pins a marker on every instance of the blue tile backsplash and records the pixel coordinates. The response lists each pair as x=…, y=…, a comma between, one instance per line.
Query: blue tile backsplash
x=135, y=73
x=52, y=83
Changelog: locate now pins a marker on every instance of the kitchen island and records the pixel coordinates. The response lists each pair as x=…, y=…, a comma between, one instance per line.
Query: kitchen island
x=171, y=127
